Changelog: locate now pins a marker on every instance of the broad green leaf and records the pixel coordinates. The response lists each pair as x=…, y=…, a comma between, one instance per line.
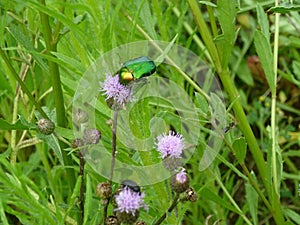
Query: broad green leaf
x=263, y=49
x=226, y=12
x=201, y=102
x=53, y=143
x=252, y=200
x=263, y=21
x=239, y=146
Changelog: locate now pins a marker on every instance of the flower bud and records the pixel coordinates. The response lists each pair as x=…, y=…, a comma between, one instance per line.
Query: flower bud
x=77, y=142
x=140, y=222
x=104, y=190
x=46, y=126
x=112, y=220
x=81, y=116
x=191, y=195
x=180, y=182
x=91, y=136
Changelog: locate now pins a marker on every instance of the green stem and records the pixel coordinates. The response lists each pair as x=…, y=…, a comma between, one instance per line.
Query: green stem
x=51, y=46
x=237, y=108
x=205, y=34
x=273, y=105
x=244, y=125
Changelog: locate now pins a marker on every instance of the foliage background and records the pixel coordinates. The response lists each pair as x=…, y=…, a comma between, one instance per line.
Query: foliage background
x=50, y=45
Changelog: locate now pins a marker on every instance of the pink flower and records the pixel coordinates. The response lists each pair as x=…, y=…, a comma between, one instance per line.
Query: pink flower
x=130, y=201
x=112, y=88
x=170, y=145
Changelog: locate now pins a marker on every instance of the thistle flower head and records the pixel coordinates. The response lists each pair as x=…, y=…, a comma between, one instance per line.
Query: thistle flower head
x=182, y=176
x=91, y=136
x=129, y=201
x=170, y=145
x=113, y=89
x=180, y=181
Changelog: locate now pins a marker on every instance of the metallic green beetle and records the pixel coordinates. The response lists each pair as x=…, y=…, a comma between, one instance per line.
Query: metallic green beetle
x=135, y=69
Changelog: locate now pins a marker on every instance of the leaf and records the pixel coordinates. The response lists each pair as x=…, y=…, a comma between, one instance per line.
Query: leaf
x=208, y=3
x=284, y=9
x=148, y=19
x=263, y=49
x=292, y=215
x=21, y=124
x=24, y=39
x=239, y=146
x=161, y=58
x=201, y=103
x=226, y=12
x=209, y=195
x=252, y=200
x=244, y=73
x=218, y=111
x=296, y=69
x=2, y=215
x=263, y=21
x=53, y=143
x=64, y=132
x=70, y=62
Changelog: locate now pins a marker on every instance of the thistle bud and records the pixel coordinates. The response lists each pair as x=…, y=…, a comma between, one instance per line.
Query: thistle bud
x=46, y=126
x=81, y=116
x=104, y=190
x=112, y=220
x=180, y=182
x=91, y=136
x=77, y=142
x=128, y=218
x=191, y=195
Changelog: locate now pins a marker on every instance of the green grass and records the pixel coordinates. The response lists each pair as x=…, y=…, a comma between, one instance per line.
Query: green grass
x=47, y=47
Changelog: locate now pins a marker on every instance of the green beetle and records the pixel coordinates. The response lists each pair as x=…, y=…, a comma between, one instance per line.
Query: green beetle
x=135, y=69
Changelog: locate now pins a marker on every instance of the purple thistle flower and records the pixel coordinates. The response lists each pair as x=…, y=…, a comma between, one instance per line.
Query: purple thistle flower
x=112, y=88
x=170, y=145
x=129, y=201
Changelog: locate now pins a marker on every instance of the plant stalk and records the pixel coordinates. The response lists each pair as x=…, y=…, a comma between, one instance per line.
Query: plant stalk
x=51, y=46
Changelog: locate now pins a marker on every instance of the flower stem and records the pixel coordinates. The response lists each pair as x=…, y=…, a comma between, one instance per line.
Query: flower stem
x=170, y=209
x=114, y=145
x=113, y=159
x=81, y=174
